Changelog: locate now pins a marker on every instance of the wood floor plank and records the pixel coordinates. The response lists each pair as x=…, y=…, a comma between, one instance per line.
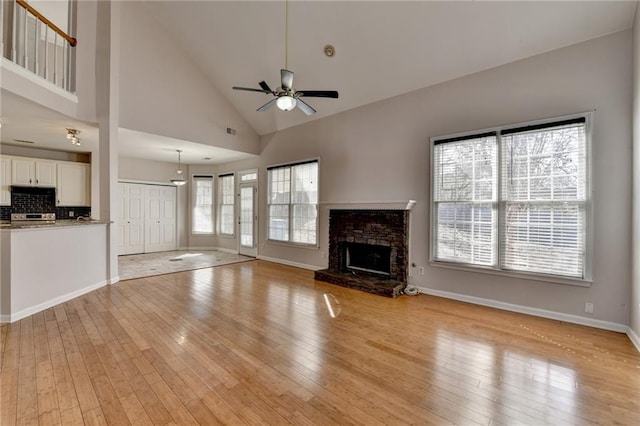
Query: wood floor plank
x=27, y=402
x=254, y=343
x=48, y=409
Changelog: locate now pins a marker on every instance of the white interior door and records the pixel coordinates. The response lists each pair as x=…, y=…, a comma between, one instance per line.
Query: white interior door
x=248, y=220
x=160, y=218
x=131, y=220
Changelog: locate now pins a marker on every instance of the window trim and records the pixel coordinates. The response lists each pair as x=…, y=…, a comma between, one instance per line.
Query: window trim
x=587, y=278
x=194, y=198
x=220, y=204
x=290, y=243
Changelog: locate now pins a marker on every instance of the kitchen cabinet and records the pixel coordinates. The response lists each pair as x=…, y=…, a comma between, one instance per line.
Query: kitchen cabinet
x=73, y=184
x=5, y=181
x=28, y=172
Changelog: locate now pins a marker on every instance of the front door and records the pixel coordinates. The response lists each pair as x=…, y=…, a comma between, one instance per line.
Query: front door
x=248, y=220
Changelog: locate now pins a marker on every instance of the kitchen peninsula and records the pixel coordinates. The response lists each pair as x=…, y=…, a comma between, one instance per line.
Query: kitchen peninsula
x=43, y=265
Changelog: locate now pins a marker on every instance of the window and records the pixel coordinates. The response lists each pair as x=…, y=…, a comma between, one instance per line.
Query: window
x=525, y=212
x=202, y=205
x=293, y=203
x=226, y=204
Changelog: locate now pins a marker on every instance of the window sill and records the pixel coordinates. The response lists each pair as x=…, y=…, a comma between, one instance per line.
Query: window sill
x=521, y=275
x=293, y=245
x=227, y=236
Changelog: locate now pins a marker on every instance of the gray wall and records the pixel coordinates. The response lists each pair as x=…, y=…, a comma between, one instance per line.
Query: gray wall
x=380, y=152
x=635, y=283
x=163, y=92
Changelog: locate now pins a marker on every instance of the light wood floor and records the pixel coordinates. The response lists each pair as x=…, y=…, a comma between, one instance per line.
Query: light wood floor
x=260, y=343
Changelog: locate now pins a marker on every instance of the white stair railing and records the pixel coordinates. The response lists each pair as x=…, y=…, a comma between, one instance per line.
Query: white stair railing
x=32, y=41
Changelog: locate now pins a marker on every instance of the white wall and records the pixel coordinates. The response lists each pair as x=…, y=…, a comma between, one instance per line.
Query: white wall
x=635, y=283
x=163, y=92
x=148, y=171
x=381, y=152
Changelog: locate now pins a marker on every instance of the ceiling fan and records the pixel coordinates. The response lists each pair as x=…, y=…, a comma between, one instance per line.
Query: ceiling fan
x=285, y=96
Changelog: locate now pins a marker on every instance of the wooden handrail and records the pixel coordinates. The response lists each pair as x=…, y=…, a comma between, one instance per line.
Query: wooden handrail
x=72, y=41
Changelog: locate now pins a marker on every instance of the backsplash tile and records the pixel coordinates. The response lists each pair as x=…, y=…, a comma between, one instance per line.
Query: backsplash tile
x=25, y=199
x=39, y=200
x=63, y=212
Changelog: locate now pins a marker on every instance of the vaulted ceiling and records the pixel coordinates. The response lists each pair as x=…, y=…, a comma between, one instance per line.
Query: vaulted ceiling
x=383, y=49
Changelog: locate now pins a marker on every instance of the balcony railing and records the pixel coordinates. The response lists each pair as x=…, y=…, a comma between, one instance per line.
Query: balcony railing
x=33, y=42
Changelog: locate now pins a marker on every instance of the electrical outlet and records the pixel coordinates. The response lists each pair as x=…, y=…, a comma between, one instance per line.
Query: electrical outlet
x=421, y=270
x=588, y=307
x=71, y=213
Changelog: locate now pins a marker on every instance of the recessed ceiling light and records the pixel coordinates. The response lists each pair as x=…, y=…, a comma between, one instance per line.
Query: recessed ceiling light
x=329, y=51
x=207, y=158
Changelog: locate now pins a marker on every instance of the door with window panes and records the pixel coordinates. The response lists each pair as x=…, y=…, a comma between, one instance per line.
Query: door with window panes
x=248, y=213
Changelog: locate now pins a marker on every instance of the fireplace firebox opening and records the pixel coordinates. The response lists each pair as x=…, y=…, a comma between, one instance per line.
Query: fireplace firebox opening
x=373, y=259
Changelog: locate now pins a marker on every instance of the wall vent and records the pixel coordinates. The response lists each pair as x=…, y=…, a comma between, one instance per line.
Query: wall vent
x=23, y=141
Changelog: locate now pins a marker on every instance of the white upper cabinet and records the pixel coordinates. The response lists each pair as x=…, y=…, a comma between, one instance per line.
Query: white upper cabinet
x=5, y=181
x=73, y=184
x=30, y=172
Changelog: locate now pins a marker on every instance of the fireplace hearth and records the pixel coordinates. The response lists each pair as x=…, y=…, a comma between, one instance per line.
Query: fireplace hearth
x=368, y=250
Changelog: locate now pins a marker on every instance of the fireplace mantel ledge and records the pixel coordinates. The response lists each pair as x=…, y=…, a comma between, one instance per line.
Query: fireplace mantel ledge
x=369, y=205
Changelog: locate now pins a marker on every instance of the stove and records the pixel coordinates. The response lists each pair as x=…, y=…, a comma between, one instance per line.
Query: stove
x=32, y=218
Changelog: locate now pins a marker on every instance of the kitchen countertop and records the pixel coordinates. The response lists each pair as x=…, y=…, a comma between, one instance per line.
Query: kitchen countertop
x=5, y=224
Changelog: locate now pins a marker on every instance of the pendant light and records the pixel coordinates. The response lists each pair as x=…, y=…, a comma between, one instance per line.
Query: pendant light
x=178, y=178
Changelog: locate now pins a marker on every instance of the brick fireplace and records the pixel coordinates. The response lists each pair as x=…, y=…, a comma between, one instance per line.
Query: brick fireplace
x=368, y=250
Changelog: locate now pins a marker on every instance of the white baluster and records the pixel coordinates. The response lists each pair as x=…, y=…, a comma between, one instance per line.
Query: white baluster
x=46, y=52
x=55, y=57
x=14, y=34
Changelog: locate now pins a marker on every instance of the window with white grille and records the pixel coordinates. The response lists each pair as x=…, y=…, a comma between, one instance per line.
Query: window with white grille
x=202, y=205
x=293, y=203
x=514, y=199
x=226, y=207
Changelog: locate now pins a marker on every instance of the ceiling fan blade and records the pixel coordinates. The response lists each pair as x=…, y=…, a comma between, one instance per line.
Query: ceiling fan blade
x=318, y=93
x=268, y=105
x=287, y=79
x=250, y=89
x=305, y=107
x=265, y=86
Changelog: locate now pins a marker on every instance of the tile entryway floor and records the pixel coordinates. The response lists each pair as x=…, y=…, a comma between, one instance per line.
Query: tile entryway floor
x=148, y=264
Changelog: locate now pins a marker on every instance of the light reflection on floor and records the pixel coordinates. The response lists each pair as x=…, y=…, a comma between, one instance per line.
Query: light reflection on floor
x=513, y=379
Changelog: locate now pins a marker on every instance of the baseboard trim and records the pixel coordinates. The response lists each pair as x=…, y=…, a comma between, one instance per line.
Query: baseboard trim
x=5, y=319
x=574, y=319
x=114, y=280
x=53, y=302
x=290, y=263
x=635, y=339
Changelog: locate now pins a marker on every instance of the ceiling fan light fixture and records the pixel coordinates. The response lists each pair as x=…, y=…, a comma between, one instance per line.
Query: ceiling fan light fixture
x=286, y=103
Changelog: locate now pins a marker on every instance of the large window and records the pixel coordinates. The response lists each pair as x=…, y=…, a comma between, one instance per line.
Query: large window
x=226, y=204
x=513, y=199
x=293, y=203
x=202, y=205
